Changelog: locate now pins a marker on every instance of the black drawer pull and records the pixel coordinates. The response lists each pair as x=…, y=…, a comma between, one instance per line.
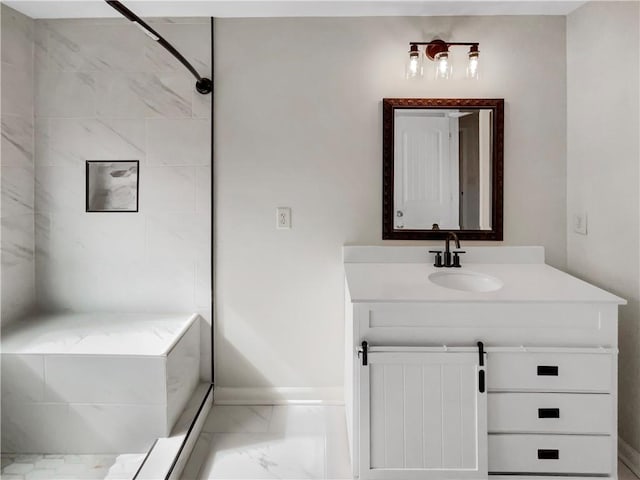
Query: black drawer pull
x=548, y=454
x=547, y=371
x=548, y=413
x=481, y=381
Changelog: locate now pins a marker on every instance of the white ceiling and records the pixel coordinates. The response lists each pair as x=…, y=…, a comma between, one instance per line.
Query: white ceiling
x=291, y=8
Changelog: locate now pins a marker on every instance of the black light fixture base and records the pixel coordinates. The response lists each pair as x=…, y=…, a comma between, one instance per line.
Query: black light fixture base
x=435, y=47
x=204, y=86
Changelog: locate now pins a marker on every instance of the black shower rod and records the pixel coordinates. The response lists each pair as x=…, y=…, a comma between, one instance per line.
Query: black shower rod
x=203, y=85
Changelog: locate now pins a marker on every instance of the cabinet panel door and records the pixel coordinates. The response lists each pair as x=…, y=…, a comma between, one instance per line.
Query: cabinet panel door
x=422, y=416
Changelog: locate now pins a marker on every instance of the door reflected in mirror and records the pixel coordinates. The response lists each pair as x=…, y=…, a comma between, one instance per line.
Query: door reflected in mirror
x=442, y=168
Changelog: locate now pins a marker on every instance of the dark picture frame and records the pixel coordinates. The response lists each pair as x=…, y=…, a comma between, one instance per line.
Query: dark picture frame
x=112, y=186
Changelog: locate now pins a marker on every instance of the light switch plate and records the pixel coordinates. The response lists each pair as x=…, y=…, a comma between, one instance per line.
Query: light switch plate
x=580, y=223
x=283, y=218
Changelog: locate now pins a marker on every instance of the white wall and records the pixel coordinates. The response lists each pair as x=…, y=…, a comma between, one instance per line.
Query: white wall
x=104, y=91
x=298, y=123
x=17, y=245
x=603, y=174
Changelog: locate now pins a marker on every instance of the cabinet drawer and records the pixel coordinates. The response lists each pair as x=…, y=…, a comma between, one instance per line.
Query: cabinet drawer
x=550, y=413
x=550, y=454
x=549, y=372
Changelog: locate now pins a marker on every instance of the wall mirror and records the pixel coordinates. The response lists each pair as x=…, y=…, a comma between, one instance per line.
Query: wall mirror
x=442, y=168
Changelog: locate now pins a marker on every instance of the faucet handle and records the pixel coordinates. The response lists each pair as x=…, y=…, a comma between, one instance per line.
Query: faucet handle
x=438, y=259
x=456, y=258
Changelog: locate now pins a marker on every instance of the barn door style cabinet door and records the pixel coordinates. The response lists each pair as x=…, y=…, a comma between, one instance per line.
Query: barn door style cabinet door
x=423, y=413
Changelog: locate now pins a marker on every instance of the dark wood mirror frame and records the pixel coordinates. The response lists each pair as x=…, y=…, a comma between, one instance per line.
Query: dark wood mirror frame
x=389, y=105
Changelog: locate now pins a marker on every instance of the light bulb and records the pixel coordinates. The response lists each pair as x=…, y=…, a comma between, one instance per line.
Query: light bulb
x=413, y=67
x=474, y=61
x=443, y=66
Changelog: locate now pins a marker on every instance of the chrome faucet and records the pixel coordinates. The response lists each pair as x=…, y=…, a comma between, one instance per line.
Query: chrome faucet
x=448, y=261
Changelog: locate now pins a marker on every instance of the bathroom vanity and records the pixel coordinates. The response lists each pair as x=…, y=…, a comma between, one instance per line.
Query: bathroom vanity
x=505, y=366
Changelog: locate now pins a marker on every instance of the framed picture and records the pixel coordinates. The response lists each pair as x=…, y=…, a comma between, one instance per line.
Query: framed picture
x=112, y=185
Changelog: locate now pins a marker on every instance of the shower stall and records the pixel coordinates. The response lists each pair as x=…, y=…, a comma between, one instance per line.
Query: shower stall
x=105, y=346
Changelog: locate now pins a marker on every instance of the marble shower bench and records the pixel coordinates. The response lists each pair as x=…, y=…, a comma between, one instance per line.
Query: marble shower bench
x=96, y=383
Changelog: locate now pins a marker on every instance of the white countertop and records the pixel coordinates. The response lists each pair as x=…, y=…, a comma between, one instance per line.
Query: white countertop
x=526, y=282
x=96, y=334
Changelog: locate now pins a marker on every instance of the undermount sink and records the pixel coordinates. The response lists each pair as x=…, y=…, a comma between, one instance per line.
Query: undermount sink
x=466, y=281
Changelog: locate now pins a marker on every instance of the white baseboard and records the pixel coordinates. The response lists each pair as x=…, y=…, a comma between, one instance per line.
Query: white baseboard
x=629, y=456
x=278, y=396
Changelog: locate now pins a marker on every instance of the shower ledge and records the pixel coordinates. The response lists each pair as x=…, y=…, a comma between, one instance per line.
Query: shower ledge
x=110, y=383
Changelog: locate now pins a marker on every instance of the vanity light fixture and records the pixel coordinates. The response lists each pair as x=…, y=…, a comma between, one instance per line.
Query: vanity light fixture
x=438, y=51
x=474, y=61
x=413, y=68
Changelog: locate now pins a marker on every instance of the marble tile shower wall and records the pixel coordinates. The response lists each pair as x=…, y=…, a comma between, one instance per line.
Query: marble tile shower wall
x=104, y=91
x=17, y=166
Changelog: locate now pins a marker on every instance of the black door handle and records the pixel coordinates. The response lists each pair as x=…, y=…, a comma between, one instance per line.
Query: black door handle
x=548, y=413
x=544, y=454
x=547, y=371
x=365, y=347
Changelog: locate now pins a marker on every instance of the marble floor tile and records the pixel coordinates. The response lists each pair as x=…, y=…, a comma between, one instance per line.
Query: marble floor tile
x=307, y=419
x=294, y=442
x=238, y=419
x=55, y=467
x=264, y=456
x=125, y=467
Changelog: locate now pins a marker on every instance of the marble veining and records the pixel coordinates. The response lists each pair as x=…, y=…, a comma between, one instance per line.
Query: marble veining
x=75, y=94
x=17, y=187
x=264, y=441
x=17, y=40
x=187, y=39
x=94, y=47
x=16, y=91
x=59, y=189
x=17, y=249
x=17, y=141
x=71, y=141
x=69, y=467
x=18, y=294
x=96, y=334
x=17, y=246
x=166, y=95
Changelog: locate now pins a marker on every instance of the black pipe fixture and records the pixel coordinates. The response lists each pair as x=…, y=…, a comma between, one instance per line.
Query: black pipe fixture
x=203, y=85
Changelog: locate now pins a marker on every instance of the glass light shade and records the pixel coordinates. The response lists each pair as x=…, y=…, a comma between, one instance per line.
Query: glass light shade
x=472, y=66
x=443, y=66
x=413, y=67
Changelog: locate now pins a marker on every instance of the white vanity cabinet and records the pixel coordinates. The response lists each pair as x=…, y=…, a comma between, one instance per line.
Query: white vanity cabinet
x=418, y=407
x=427, y=416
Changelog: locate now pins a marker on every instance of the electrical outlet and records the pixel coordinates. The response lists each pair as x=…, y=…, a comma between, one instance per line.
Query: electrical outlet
x=580, y=223
x=283, y=218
